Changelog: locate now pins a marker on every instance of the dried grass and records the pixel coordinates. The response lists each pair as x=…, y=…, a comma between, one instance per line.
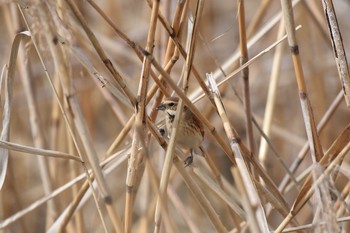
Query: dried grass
x=80, y=149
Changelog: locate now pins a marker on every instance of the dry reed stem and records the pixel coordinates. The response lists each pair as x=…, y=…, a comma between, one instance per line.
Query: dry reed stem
x=338, y=48
x=332, y=158
x=263, y=7
x=77, y=202
x=135, y=162
x=153, y=90
x=74, y=205
x=338, y=204
x=183, y=210
x=342, y=209
x=100, y=80
x=218, y=178
x=37, y=133
x=64, y=77
x=215, y=134
x=271, y=97
x=131, y=43
x=164, y=179
x=121, y=136
x=179, y=17
x=122, y=85
x=202, y=200
x=190, y=105
x=108, y=113
x=310, y=126
x=101, y=53
x=198, y=93
x=243, y=177
x=233, y=203
x=317, y=17
x=232, y=63
x=38, y=151
x=281, y=204
x=245, y=75
x=338, y=148
x=6, y=116
x=200, y=197
x=228, y=65
x=312, y=226
x=303, y=152
x=155, y=181
x=202, y=177
x=128, y=125
x=175, y=39
x=56, y=192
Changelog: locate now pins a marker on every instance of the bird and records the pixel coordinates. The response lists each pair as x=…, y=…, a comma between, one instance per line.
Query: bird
x=191, y=131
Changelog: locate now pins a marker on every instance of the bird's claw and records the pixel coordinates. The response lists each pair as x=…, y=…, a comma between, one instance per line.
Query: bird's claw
x=162, y=131
x=188, y=160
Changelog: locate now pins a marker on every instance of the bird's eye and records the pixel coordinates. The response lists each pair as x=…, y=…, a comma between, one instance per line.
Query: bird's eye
x=171, y=104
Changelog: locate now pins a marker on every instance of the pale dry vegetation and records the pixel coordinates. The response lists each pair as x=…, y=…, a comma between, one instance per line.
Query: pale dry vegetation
x=80, y=82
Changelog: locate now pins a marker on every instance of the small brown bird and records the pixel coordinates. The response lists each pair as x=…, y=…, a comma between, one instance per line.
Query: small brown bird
x=191, y=131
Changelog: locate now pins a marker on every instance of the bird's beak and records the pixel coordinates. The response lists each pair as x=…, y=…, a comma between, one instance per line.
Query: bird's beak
x=161, y=107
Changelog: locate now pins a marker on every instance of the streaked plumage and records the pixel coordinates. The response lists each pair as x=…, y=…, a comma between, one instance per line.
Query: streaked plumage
x=191, y=132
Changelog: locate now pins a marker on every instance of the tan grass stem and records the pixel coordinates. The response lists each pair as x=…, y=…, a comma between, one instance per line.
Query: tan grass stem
x=164, y=179
x=256, y=217
x=333, y=157
x=135, y=162
x=310, y=126
x=271, y=97
x=245, y=75
x=338, y=48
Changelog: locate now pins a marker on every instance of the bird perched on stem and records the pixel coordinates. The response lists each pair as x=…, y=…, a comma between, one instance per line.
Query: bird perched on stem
x=191, y=131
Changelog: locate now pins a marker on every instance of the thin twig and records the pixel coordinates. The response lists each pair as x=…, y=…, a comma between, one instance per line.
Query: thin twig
x=245, y=75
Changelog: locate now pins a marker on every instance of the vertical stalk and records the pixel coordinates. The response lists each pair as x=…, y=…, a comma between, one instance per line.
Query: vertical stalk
x=74, y=105
x=171, y=147
x=271, y=97
x=179, y=16
x=182, y=51
x=245, y=74
x=201, y=198
x=312, y=135
x=135, y=167
x=338, y=48
x=252, y=203
x=38, y=137
x=75, y=111
x=310, y=126
x=107, y=62
x=305, y=149
x=36, y=129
